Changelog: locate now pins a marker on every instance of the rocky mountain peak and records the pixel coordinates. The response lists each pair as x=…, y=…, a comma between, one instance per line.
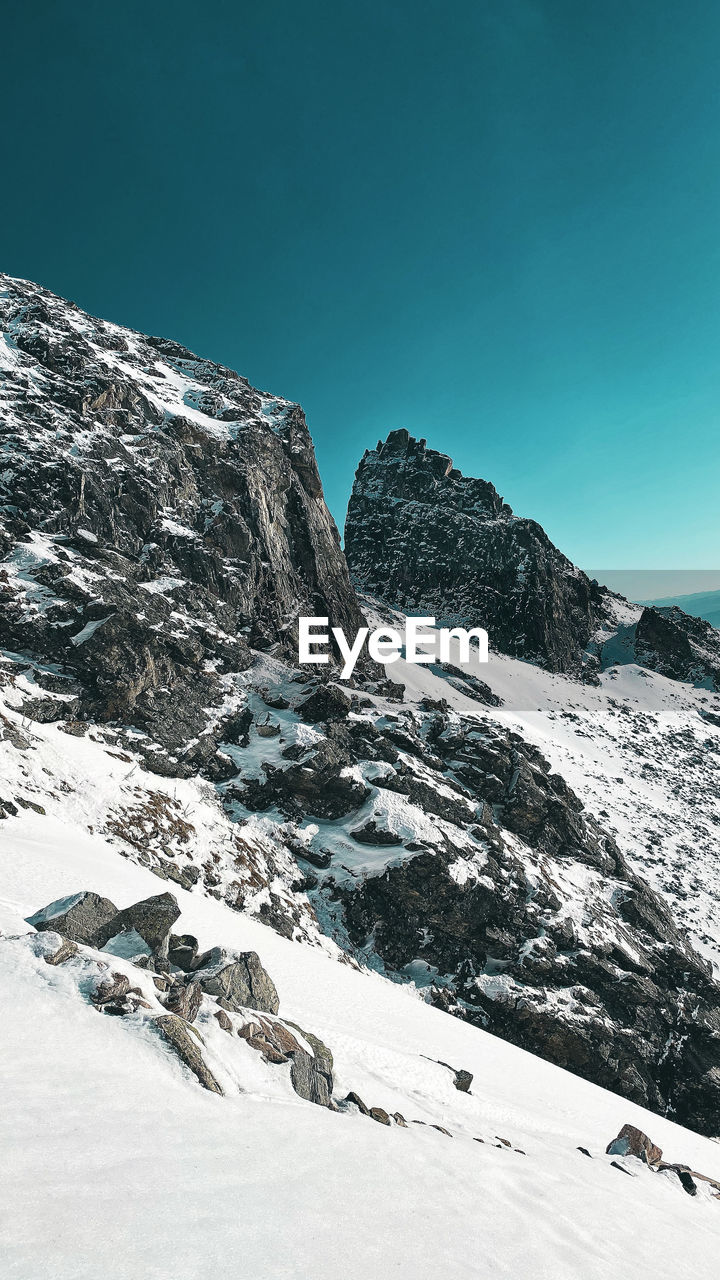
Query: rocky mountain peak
x=426, y=539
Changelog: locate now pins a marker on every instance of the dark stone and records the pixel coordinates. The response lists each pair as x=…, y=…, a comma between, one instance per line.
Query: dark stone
x=65, y=951
x=182, y=950
x=152, y=919
x=81, y=917
x=633, y=1142
x=239, y=977
x=187, y=1042
x=327, y=703
x=184, y=1000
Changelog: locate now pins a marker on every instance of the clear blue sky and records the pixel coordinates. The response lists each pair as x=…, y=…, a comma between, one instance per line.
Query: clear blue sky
x=494, y=222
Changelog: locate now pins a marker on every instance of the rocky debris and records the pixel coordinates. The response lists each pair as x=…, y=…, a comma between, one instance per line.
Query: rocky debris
x=65, y=951
x=151, y=920
x=224, y=1021
x=612, y=991
x=187, y=1042
x=82, y=917
x=238, y=977
x=633, y=1142
x=114, y=995
x=316, y=786
x=427, y=540
x=371, y=833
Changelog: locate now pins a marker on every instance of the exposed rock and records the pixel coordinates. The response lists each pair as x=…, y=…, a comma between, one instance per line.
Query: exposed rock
x=377, y=1113
x=82, y=917
x=152, y=919
x=184, y=1000
x=428, y=540
x=239, y=977
x=463, y=1080
x=633, y=1142
x=65, y=951
x=327, y=703
x=223, y=1020
x=182, y=950
x=187, y=1042
x=353, y=1099
x=211, y=496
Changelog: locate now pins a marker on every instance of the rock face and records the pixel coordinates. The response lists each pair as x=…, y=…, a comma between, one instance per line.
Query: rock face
x=488, y=882
x=157, y=516
x=427, y=540
x=151, y=920
x=679, y=646
x=239, y=978
x=81, y=917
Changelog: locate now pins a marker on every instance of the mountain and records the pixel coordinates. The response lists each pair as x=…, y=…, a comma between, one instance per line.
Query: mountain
x=700, y=604
x=224, y=870
x=158, y=517
x=428, y=540
x=425, y=539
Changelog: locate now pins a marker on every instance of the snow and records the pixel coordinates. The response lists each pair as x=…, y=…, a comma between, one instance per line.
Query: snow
x=636, y=750
x=157, y=1177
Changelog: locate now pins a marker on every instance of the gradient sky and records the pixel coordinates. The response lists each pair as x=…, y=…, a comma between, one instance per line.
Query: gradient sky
x=494, y=222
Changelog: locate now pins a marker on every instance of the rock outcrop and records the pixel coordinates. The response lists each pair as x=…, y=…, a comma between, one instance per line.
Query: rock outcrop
x=158, y=516
x=427, y=540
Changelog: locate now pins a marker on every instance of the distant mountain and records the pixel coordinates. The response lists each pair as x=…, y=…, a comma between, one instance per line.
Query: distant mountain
x=701, y=604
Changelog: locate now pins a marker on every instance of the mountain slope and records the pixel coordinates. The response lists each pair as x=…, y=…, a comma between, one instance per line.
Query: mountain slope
x=157, y=516
x=261, y=1179
x=162, y=527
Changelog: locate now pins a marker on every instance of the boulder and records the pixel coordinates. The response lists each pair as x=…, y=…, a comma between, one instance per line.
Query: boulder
x=239, y=978
x=186, y=1043
x=463, y=1080
x=152, y=919
x=633, y=1142
x=377, y=1113
x=326, y=704
x=81, y=917
x=182, y=950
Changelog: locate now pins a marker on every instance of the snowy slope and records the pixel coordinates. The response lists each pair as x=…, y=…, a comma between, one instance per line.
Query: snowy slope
x=639, y=751
x=132, y=1169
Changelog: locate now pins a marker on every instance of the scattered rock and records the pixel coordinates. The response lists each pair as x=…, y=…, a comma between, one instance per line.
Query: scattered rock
x=185, y=1000
x=327, y=703
x=377, y=1113
x=182, y=950
x=354, y=1099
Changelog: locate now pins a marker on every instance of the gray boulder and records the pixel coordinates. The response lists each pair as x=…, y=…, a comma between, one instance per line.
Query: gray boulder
x=239, y=978
x=187, y=1042
x=152, y=919
x=81, y=917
